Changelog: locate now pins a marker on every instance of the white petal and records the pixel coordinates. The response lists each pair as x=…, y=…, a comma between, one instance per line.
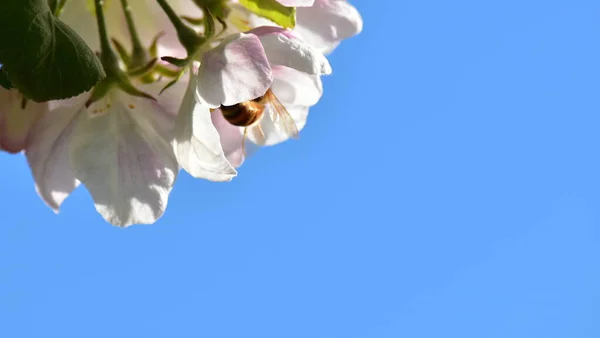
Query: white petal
x=16, y=121
x=48, y=155
x=296, y=3
x=267, y=132
x=296, y=91
x=327, y=23
x=285, y=49
x=296, y=88
x=235, y=71
x=125, y=159
x=231, y=139
x=300, y=115
x=197, y=144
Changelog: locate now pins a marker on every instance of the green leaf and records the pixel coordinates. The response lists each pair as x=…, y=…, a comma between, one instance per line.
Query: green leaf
x=272, y=10
x=4, y=81
x=42, y=56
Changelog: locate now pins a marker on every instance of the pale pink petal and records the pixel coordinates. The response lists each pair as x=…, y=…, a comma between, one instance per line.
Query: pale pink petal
x=327, y=23
x=285, y=49
x=268, y=132
x=231, y=138
x=296, y=88
x=235, y=71
x=300, y=115
x=47, y=153
x=17, y=120
x=125, y=159
x=196, y=141
x=296, y=91
x=296, y=3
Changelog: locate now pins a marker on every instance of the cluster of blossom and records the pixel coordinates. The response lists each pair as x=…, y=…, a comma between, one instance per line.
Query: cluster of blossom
x=190, y=84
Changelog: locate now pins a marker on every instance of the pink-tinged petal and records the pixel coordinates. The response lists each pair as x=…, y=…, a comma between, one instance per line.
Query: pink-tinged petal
x=296, y=91
x=231, y=139
x=47, y=153
x=299, y=114
x=268, y=131
x=296, y=3
x=196, y=141
x=327, y=23
x=235, y=71
x=17, y=120
x=296, y=88
x=285, y=49
x=124, y=158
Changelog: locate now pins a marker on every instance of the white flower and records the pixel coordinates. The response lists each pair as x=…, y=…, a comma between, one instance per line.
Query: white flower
x=236, y=70
x=120, y=148
x=323, y=25
x=297, y=92
x=127, y=150
x=327, y=23
x=17, y=118
x=244, y=67
x=197, y=142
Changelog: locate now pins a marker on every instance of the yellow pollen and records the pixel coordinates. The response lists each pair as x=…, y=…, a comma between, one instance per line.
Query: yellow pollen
x=131, y=106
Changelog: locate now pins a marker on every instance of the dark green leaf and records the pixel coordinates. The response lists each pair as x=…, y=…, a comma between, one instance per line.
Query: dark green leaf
x=42, y=56
x=4, y=81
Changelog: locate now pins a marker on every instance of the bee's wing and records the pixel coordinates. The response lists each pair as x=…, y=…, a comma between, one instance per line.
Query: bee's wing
x=283, y=120
x=249, y=148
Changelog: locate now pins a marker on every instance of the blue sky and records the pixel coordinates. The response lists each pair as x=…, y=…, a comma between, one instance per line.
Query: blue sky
x=447, y=185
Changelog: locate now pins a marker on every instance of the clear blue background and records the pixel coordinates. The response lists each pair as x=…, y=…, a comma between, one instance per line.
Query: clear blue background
x=447, y=185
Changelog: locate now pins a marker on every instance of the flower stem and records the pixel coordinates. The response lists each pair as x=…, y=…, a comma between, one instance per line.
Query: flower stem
x=187, y=36
x=138, y=55
x=59, y=8
x=114, y=75
x=107, y=55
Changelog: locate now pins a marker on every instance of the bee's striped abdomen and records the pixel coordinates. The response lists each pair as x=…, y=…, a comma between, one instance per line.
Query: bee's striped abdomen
x=243, y=114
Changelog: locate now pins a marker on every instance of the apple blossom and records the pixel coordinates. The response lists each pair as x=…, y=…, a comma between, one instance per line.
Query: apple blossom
x=120, y=148
x=119, y=143
x=327, y=23
x=323, y=24
x=166, y=100
x=281, y=62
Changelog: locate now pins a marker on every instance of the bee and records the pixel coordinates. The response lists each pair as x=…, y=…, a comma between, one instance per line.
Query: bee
x=248, y=114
